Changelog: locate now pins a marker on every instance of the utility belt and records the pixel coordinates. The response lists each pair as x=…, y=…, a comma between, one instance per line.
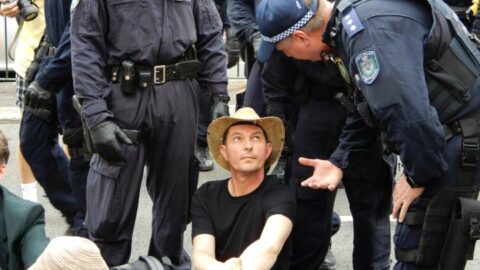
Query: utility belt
x=132, y=76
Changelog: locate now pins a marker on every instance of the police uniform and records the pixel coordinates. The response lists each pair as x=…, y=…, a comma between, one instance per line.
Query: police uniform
x=153, y=35
x=242, y=19
x=368, y=181
x=39, y=137
x=405, y=57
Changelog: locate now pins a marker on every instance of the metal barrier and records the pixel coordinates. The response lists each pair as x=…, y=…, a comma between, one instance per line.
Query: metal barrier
x=6, y=65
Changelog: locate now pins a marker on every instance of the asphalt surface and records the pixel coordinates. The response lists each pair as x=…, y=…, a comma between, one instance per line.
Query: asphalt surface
x=56, y=226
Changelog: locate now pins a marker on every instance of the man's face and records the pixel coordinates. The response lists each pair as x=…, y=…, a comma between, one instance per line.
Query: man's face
x=246, y=148
x=303, y=46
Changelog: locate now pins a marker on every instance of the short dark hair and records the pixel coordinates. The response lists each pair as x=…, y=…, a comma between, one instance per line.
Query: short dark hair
x=225, y=135
x=4, y=152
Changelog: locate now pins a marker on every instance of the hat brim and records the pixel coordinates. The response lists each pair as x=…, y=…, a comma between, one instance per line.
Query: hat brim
x=265, y=51
x=272, y=126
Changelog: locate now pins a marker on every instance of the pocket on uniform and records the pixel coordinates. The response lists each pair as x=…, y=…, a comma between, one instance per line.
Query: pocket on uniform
x=130, y=28
x=105, y=168
x=103, y=198
x=183, y=23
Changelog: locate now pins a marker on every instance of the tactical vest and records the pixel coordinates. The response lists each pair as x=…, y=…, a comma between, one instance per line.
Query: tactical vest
x=451, y=64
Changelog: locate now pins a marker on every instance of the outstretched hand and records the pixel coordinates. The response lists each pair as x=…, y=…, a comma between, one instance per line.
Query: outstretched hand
x=325, y=175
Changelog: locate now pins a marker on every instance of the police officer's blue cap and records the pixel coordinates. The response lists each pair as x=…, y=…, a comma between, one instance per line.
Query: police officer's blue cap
x=278, y=19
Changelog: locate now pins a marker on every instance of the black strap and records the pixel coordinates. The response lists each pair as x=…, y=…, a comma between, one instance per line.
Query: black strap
x=136, y=136
x=414, y=218
x=409, y=256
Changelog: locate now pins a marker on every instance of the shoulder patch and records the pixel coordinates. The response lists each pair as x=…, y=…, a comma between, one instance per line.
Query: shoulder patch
x=368, y=66
x=351, y=23
x=74, y=5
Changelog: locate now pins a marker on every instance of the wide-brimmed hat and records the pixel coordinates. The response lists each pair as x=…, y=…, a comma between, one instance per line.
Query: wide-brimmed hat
x=272, y=126
x=70, y=253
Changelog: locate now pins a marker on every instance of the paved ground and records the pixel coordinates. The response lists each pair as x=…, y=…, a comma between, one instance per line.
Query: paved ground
x=9, y=124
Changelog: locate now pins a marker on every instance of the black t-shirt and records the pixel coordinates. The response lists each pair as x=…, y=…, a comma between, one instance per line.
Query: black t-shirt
x=237, y=222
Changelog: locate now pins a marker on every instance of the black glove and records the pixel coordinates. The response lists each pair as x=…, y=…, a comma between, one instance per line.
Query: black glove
x=232, y=45
x=220, y=106
x=106, y=138
x=36, y=97
x=256, y=40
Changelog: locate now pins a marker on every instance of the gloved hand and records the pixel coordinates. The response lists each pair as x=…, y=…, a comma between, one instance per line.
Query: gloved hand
x=471, y=12
x=220, y=106
x=36, y=97
x=232, y=45
x=106, y=138
x=256, y=40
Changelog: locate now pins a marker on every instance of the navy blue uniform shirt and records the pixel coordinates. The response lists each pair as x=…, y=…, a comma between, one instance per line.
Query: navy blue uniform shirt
x=383, y=47
x=57, y=70
x=242, y=18
x=146, y=32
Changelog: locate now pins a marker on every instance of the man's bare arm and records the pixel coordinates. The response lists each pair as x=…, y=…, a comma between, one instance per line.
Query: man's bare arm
x=204, y=255
x=263, y=253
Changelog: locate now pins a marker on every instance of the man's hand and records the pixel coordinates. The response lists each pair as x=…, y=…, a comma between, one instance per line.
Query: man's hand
x=9, y=9
x=220, y=106
x=233, y=264
x=36, y=97
x=403, y=196
x=106, y=138
x=325, y=175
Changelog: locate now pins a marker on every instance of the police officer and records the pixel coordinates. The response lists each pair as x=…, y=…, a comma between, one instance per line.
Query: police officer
x=242, y=19
x=48, y=101
x=368, y=181
x=137, y=66
x=403, y=64
x=204, y=115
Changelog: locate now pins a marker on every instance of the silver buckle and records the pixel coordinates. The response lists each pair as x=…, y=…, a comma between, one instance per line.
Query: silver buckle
x=156, y=71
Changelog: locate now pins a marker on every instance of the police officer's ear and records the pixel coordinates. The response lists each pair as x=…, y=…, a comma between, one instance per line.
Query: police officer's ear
x=300, y=37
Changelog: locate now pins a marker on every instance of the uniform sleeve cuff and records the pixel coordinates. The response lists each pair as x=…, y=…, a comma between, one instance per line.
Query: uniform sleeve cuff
x=95, y=112
x=339, y=158
x=218, y=89
x=45, y=81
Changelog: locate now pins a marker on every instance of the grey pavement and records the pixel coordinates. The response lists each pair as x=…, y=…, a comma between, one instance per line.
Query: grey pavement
x=56, y=226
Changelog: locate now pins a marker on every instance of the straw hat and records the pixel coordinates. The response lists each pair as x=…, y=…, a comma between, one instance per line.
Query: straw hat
x=272, y=126
x=70, y=253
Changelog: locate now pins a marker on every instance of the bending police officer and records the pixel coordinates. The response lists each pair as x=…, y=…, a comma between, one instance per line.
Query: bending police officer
x=403, y=58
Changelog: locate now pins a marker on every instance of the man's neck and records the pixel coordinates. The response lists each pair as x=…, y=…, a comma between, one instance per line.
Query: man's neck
x=244, y=183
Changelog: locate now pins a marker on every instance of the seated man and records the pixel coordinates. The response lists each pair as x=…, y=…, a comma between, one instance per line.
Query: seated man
x=243, y=222
x=22, y=224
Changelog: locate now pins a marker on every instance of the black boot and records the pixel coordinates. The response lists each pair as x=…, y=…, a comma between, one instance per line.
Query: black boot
x=204, y=158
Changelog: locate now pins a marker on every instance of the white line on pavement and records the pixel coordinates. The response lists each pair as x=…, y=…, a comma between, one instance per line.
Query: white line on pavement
x=9, y=113
x=350, y=219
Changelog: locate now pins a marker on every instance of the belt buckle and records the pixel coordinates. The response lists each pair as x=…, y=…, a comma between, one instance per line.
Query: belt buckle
x=156, y=70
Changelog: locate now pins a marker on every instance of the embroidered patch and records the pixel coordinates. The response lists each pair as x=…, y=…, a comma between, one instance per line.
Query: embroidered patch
x=74, y=5
x=351, y=23
x=368, y=66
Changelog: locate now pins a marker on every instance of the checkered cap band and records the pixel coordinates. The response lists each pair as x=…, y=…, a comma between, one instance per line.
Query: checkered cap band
x=290, y=30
